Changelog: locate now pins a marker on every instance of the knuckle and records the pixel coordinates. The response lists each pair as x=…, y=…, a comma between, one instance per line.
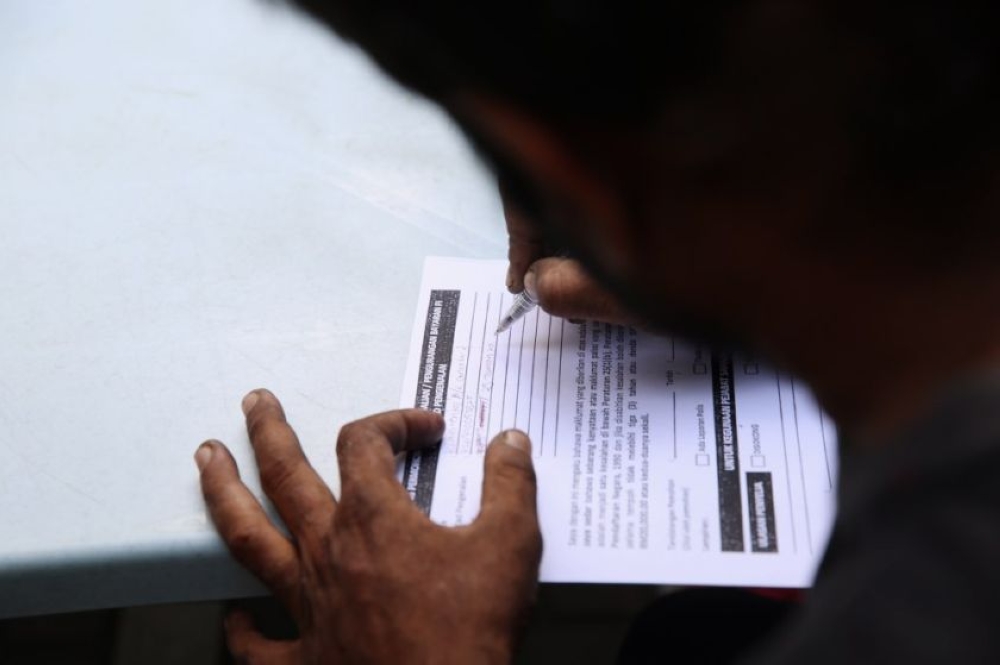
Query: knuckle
x=357, y=507
x=358, y=546
x=355, y=562
x=364, y=438
x=243, y=540
x=277, y=473
x=249, y=547
x=349, y=434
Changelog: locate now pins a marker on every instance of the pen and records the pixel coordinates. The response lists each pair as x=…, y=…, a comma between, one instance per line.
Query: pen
x=524, y=302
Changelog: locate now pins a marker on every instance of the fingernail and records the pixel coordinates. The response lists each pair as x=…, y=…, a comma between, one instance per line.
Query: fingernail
x=249, y=401
x=510, y=278
x=530, y=283
x=516, y=439
x=203, y=456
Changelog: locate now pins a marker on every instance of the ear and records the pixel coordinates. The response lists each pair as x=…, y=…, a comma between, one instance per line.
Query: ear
x=544, y=156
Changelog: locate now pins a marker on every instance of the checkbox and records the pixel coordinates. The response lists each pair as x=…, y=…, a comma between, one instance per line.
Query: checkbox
x=758, y=461
x=701, y=459
x=700, y=368
x=751, y=368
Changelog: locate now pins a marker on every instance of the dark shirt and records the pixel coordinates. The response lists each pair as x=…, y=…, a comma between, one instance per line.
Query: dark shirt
x=912, y=572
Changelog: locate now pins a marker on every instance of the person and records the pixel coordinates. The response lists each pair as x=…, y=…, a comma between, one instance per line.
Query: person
x=816, y=181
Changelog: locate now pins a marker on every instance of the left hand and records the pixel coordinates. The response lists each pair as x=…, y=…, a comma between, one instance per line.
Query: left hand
x=368, y=578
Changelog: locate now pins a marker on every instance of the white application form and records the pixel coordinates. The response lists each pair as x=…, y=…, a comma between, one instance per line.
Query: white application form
x=658, y=461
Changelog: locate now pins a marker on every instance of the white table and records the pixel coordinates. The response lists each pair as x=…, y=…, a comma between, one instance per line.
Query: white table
x=196, y=199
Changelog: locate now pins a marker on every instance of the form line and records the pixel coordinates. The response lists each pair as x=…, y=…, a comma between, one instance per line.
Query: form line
x=531, y=385
x=555, y=438
x=506, y=374
x=493, y=374
x=802, y=470
x=545, y=388
x=826, y=452
x=520, y=363
x=479, y=383
x=465, y=377
x=674, y=395
x=788, y=475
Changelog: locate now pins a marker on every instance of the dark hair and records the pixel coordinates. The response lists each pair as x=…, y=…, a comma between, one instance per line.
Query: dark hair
x=559, y=58
x=924, y=110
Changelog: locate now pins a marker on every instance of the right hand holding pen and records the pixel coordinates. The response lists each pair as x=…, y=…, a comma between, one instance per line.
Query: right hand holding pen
x=561, y=286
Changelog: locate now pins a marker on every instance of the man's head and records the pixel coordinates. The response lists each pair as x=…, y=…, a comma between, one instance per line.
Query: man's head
x=718, y=164
x=827, y=123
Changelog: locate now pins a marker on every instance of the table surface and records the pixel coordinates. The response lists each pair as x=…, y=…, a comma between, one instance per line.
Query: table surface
x=196, y=199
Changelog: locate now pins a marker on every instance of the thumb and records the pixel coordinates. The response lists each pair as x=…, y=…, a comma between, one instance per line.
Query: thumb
x=509, y=482
x=565, y=289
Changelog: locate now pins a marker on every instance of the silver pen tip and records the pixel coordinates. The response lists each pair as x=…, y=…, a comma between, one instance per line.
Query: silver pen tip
x=506, y=323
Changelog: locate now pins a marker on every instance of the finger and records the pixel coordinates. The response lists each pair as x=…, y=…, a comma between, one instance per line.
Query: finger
x=366, y=449
x=244, y=526
x=249, y=647
x=509, y=488
x=303, y=500
x=525, y=243
x=566, y=290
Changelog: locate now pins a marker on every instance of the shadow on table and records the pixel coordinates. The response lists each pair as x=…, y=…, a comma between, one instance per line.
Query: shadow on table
x=580, y=624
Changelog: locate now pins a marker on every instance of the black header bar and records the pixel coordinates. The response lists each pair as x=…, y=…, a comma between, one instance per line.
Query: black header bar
x=420, y=467
x=727, y=453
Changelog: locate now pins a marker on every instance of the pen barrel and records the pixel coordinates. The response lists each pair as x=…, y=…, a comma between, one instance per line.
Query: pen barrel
x=523, y=303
